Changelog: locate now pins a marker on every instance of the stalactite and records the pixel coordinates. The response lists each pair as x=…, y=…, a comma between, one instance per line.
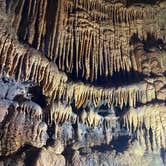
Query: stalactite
x=107, y=60
x=47, y=44
x=61, y=113
x=47, y=75
x=17, y=20
x=42, y=13
x=147, y=119
x=32, y=19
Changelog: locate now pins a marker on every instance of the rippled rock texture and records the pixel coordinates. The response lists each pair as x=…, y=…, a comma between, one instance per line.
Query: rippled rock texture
x=82, y=82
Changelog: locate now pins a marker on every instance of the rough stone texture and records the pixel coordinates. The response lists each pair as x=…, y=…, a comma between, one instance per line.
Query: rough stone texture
x=82, y=82
x=22, y=125
x=49, y=157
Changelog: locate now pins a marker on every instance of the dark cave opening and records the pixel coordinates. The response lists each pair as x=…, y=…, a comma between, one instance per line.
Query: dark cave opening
x=150, y=2
x=119, y=144
x=118, y=79
x=37, y=96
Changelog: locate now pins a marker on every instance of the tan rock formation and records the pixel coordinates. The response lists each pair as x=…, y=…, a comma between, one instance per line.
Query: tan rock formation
x=82, y=82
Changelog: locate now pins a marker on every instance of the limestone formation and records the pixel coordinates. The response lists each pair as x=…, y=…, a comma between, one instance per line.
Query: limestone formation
x=82, y=82
x=22, y=125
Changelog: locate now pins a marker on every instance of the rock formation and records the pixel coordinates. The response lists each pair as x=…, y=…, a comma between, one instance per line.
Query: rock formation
x=82, y=82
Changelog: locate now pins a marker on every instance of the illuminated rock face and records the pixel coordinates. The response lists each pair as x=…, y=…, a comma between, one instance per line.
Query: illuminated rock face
x=82, y=82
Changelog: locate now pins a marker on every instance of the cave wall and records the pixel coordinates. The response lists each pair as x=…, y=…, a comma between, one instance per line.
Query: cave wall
x=82, y=82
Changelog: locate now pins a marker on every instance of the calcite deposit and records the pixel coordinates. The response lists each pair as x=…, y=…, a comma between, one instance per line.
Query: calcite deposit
x=82, y=82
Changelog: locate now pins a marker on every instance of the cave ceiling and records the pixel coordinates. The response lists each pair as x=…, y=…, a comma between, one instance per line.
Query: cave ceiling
x=83, y=82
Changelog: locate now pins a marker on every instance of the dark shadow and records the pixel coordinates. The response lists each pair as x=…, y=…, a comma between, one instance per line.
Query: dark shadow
x=37, y=96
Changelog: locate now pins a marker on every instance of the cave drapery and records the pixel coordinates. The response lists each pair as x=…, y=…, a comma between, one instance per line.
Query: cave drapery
x=82, y=82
